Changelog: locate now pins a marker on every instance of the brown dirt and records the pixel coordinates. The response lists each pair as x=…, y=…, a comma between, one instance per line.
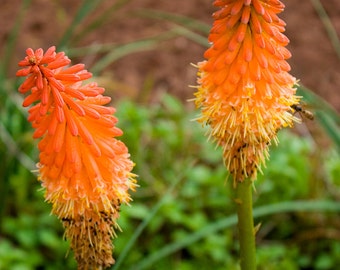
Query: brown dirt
x=167, y=67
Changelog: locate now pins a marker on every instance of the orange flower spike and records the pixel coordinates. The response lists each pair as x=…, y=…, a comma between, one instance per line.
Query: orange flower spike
x=245, y=92
x=85, y=170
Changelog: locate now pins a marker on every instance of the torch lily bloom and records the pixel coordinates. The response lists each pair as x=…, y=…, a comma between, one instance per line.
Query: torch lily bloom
x=85, y=170
x=244, y=90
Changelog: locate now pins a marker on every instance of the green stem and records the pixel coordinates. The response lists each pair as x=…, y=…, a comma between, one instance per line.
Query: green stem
x=243, y=200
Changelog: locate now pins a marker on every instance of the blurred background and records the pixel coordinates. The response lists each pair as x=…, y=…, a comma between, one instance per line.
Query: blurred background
x=182, y=216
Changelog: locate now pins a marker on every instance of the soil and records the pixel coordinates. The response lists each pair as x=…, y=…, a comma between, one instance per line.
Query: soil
x=167, y=67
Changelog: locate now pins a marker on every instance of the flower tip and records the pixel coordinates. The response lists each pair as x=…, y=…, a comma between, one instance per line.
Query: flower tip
x=23, y=72
x=29, y=52
x=51, y=50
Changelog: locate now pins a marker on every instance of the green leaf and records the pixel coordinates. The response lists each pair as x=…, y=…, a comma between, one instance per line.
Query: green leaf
x=85, y=9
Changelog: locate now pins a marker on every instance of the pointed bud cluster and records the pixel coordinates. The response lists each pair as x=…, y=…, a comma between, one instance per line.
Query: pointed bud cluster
x=245, y=92
x=85, y=170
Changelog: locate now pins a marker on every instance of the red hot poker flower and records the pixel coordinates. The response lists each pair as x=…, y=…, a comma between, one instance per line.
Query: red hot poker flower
x=84, y=169
x=245, y=91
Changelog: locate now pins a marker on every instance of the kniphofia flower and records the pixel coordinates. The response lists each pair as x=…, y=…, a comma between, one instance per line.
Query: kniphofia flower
x=85, y=170
x=245, y=91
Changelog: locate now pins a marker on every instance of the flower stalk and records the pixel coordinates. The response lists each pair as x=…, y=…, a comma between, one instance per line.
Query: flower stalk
x=244, y=206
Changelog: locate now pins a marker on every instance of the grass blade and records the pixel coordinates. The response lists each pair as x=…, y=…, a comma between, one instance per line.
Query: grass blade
x=85, y=9
x=185, y=32
x=283, y=207
x=147, y=220
x=13, y=150
x=131, y=47
x=190, y=23
x=331, y=31
x=12, y=38
x=107, y=14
